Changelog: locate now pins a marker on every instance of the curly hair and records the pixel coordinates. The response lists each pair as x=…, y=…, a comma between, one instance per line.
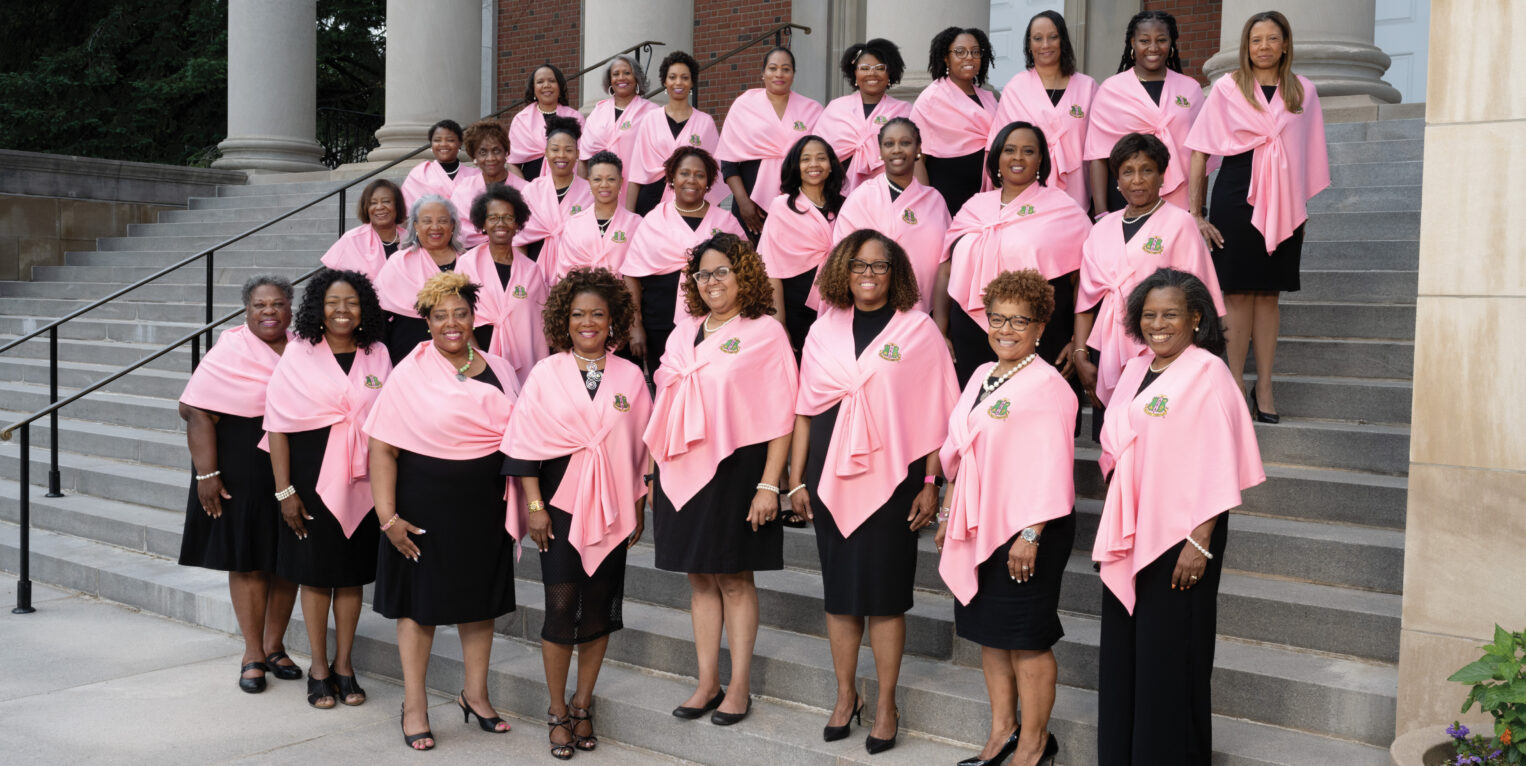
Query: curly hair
x=308, y=324
x=637, y=72
x=443, y=284
x=1209, y=334
x=1173, y=57
x=884, y=50
x=754, y=293
x=993, y=156
x=1067, y=51
x=1139, y=143
x=834, y=281
x=1025, y=286
x=937, y=53
x=502, y=193
x=670, y=165
x=790, y=180
x=556, y=317
x=448, y=124
x=363, y=207
x=485, y=130
x=606, y=157
x=561, y=84
x=677, y=57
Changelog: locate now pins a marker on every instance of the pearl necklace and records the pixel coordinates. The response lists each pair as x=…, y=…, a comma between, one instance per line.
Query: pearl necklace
x=1158, y=202
x=594, y=373
x=1163, y=369
x=689, y=212
x=709, y=331
x=989, y=386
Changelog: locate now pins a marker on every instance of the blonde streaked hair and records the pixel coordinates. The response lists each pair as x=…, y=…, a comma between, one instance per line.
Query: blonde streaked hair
x=1292, y=89
x=442, y=285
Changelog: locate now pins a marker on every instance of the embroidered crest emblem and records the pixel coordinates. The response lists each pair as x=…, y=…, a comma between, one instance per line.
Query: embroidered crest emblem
x=617, y=238
x=1000, y=409
x=373, y=382
x=909, y=216
x=625, y=125
x=732, y=345
x=575, y=209
x=622, y=404
x=1025, y=210
x=1076, y=111
x=1157, y=407
x=1154, y=246
x=520, y=292
x=891, y=353
x=694, y=140
x=799, y=126
x=880, y=120
x=1182, y=102
x=714, y=230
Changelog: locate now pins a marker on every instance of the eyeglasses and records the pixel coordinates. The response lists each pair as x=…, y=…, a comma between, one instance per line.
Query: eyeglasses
x=497, y=219
x=701, y=277
x=1017, y=322
x=965, y=53
x=878, y=267
x=871, y=68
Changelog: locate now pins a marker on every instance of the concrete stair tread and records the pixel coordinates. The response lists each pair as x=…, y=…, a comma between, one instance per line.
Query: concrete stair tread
x=1270, y=525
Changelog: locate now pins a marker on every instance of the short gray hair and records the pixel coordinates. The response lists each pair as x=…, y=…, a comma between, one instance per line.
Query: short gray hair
x=635, y=68
x=260, y=280
x=410, y=236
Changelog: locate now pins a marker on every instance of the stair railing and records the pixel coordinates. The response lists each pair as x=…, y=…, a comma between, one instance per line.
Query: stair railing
x=778, y=33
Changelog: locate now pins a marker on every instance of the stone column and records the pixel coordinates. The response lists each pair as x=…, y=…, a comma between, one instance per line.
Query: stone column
x=610, y=25
x=272, y=87
x=434, y=71
x=911, y=25
x=1332, y=45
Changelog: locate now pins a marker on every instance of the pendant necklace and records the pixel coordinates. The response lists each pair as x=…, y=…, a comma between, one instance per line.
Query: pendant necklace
x=594, y=373
x=991, y=385
x=470, y=357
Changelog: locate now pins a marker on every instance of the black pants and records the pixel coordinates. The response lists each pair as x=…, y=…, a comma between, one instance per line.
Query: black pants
x=1153, y=702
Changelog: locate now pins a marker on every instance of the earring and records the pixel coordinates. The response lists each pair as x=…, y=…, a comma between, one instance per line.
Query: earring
x=1194, y=328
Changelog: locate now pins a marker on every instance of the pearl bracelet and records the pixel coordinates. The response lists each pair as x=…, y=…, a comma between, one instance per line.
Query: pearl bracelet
x=943, y=513
x=285, y=493
x=792, y=492
x=205, y=476
x=1200, y=548
x=769, y=487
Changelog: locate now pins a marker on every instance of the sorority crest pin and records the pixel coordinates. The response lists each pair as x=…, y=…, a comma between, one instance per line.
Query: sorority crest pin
x=1154, y=246
x=732, y=345
x=714, y=230
x=1182, y=102
x=625, y=125
x=1001, y=409
x=1076, y=111
x=617, y=238
x=373, y=382
x=1025, y=210
x=694, y=140
x=520, y=292
x=622, y=404
x=1157, y=407
x=575, y=209
x=891, y=353
x=799, y=126
x=881, y=120
x=909, y=216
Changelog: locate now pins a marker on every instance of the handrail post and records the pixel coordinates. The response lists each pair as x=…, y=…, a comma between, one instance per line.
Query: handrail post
x=195, y=352
x=55, y=480
x=341, y=212
x=210, y=255
x=24, y=583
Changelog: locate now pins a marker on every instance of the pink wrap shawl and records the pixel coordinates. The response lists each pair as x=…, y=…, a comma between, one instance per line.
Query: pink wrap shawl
x=662, y=243
x=1122, y=106
x=733, y=389
x=1110, y=268
x=583, y=246
x=877, y=434
x=555, y=417
x=1290, y=164
x=462, y=198
x=793, y=243
x=514, y=311
x=234, y=374
x=308, y=391
x=655, y=143
x=428, y=178
x=548, y=215
x=753, y=131
x=527, y=132
x=1041, y=228
x=1064, y=125
x=397, y=286
x=856, y=138
x=916, y=220
x=1179, y=454
x=603, y=132
x=951, y=124
x=360, y=249
x=1012, y=457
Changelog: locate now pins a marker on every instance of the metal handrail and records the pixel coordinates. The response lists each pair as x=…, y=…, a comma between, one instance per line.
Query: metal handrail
x=774, y=32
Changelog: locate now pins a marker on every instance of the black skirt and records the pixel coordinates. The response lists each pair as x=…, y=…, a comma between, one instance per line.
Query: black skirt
x=1006, y=614
x=243, y=539
x=326, y=559
x=798, y=317
x=748, y=171
x=1242, y=264
x=531, y=168
x=972, y=344
x=649, y=196
x=465, y=571
x=659, y=293
x=871, y=572
x=405, y=333
x=711, y=535
x=579, y=607
x=956, y=178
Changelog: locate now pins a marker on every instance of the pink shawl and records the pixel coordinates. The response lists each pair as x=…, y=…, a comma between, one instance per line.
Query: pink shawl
x=1064, y=125
x=462, y=198
x=661, y=244
x=308, y=391
x=1122, y=106
x=548, y=215
x=793, y=243
x=916, y=220
x=1110, y=268
x=1012, y=457
x=513, y=310
x=527, y=132
x=1041, y=228
x=654, y=143
x=877, y=434
x=555, y=417
x=856, y=138
x=1180, y=452
x=428, y=178
x=584, y=246
x=603, y=132
x=753, y=131
x=733, y=389
x=951, y=124
x=397, y=286
x=360, y=249
x=1290, y=164
x=234, y=374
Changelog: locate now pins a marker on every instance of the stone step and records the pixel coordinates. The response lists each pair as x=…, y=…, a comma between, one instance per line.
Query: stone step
x=1352, y=254
x=324, y=225
x=126, y=444
x=1342, y=357
x=194, y=274
x=122, y=309
x=1314, y=319
x=1372, y=198
x=112, y=407
x=159, y=383
x=1379, y=130
x=1364, y=400
x=1372, y=151
x=282, y=200
x=1357, y=286
x=91, y=291
x=250, y=259
x=324, y=211
x=88, y=328
x=113, y=356
x=1364, y=226
x=263, y=187
x=1363, y=175
x=154, y=487
x=192, y=244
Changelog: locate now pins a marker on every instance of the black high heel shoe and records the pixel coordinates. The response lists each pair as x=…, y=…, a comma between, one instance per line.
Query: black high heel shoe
x=410, y=739
x=1270, y=418
x=1051, y=751
x=486, y=724
x=1007, y=749
x=579, y=715
x=834, y=733
x=691, y=713
x=875, y=745
x=564, y=751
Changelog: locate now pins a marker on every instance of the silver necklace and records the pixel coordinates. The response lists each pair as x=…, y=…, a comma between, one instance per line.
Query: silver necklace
x=709, y=331
x=1158, y=202
x=594, y=373
x=989, y=386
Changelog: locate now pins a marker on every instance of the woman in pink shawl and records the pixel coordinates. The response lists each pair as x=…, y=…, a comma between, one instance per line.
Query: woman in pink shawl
x=597, y=237
x=611, y=126
x=488, y=146
x=876, y=383
x=513, y=288
x=557, y=194
x=319, y=395
x=367, y=247
x=575, y=442
x=448, y=517
x=955, y=113
x=439, y=176
x=1178, y=448
x=1052, y=94
x=231, y=515
x=719, y=436
x=797, y=237
x=545, y=96
x=659, y=135
x=1267, y=124
x=761, y=126
x=1149, y=95
x=430, y=245
x=851, y=124
x=1006, y=528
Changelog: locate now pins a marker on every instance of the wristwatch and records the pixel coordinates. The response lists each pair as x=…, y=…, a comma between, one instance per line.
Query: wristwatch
x=1030, y=535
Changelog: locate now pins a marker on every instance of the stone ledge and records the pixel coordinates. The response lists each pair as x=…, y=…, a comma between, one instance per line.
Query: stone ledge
x=36, y=174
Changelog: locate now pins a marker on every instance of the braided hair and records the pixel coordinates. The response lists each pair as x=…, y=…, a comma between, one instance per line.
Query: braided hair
x=1173, y=58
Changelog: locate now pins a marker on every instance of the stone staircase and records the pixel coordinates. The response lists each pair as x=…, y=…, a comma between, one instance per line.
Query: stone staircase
x=1309, y=604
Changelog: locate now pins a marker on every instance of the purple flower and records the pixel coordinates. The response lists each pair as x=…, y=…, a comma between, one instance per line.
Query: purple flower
x=1496, y=754
x=1457, y=731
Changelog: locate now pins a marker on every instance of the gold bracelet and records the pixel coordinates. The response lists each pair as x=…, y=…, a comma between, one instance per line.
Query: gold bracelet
x=390, y=522
x=536, y=506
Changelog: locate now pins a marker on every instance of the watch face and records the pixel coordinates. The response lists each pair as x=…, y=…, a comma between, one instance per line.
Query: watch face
x=1030, y=535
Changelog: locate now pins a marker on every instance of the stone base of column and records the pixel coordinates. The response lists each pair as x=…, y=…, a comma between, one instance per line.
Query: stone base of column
x=269, y=154
x=397, y=139
x=1337, y=68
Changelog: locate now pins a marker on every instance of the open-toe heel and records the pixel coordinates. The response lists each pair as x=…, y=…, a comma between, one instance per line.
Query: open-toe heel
x=578, y=716
x=411, y=739
x=347, y=687
x=834, y=733
x=563, y=751
x=321, y=689
x=486, y=724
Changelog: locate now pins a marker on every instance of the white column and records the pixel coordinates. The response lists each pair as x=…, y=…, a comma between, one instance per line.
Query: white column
x=911, y=25
x=272, y=87
x=1332, y=45
x=434, y=71
x=612, y=25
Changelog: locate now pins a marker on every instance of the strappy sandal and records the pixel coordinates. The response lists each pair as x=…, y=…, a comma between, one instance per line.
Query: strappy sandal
x=791, y=519
x=590, y=742
x=565, y=751
x=322, y=689
x=411, y=740
x=347, y=687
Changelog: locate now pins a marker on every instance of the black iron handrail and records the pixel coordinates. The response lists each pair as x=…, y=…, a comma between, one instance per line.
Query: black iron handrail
x=777, y=33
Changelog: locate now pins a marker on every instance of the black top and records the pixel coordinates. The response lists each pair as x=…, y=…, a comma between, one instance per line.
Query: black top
x=1154, y=88
x=449, y=266
x=1150, y=376
x=895, y=191
x=487, y=376
x=868, y=108
x=692, y=221
x=1269, y=90
x=867, y=325
x=674, y=125
x=450, y=168
x=346, y=361
x=618, y=112
x=562, y=192
x=1056, y=94
x=1130, y=229
x=505, y=270
x=976, y=98
x=390, y=247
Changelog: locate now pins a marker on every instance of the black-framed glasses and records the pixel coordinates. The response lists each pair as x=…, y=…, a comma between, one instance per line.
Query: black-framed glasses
x=1017, y=322
x=701, y=277
x=878, y=267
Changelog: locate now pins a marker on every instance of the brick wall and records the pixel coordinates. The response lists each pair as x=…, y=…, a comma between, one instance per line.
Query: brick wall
x=721, y=25
x=531, y=34
x=1197, y=24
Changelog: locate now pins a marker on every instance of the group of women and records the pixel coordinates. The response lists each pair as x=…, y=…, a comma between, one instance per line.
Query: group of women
x=884, y=336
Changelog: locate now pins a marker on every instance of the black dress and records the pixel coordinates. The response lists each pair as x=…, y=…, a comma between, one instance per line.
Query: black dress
x=243, y=538
x=871, y=572
x=326, y=559
x=659, y=294
x=956, y=178
x=1242, y=264
x=465, y=571
x=798, y=317
x=748, y=170
x=649, y=195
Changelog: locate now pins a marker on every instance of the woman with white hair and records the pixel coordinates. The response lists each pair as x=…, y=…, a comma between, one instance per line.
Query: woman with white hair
x=430, y=244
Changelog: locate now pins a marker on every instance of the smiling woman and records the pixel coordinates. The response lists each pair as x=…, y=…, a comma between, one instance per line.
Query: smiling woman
x=441, y=174
x=545, y=96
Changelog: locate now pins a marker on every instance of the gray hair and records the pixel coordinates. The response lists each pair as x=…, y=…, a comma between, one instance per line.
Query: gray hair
x=635, y=68
x=260, y=280
x=410, y=237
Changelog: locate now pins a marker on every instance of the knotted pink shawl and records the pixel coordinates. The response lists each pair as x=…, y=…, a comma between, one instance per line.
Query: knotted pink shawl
x=1064, y=125
x=360, y=249
x=514, y=310
x=655, y=143
x=584, y=246
x=603, y=131
x=462, y=198
x=234, y=374
x=661, y=244
x=1041, y=228
x=527, y=132
x=428, y=178
x=951, y=124
x=398, y=284
x=753, y=131
x=856, y=138
x=548, y=215
x=1122, y=106
x=793, y=242
x=916, y=220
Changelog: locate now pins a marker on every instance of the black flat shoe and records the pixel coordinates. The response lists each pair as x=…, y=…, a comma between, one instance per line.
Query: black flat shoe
x=347, y=687
x=1270, y=418
x=321, y=689
x=875, y=745
x=252, y=685
x=834, y=733
x=1006, y=751
x=284, y=672
x=410, y=739
x=691, y=713
x=726, y=719
x=489, y=725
